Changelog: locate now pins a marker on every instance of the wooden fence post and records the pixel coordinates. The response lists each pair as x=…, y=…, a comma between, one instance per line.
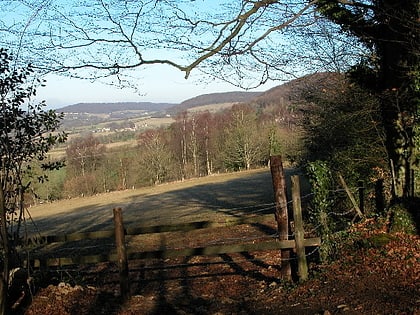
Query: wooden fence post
x=281, y=214
x=379, y=196
x=350, y=195
x=122, y=255
x=299, y=231
x=361, y=189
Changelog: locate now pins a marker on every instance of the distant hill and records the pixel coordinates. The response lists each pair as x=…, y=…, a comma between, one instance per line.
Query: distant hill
x=293, y=91
x=214, y=99
x=285, y=93
x=286, y=101
x=283, y=101
x=283, y=96
x=106, y=108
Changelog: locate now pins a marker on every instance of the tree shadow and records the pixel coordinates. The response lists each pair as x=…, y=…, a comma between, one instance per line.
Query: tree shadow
x=237, y=198
x=172, y=282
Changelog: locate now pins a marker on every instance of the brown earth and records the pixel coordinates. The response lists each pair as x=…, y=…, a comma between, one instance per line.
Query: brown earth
x=382, y=280
x=365, y=278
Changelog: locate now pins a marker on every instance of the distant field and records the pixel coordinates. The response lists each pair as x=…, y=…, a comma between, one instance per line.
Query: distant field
x=145, y=123
x=217, y=197
x=153, y=122
x=211, y=108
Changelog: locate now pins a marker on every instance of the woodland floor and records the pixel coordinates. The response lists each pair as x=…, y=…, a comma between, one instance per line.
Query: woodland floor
x=365, y=279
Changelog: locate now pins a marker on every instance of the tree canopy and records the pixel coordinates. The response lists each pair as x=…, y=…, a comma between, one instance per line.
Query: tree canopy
x=391, y=30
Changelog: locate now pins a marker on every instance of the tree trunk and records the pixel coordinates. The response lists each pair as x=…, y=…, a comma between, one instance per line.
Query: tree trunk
x=208, y=164
x=4, y=277
x=194, y=146
x=123, y=174
x=398, y=83
x=184, y=147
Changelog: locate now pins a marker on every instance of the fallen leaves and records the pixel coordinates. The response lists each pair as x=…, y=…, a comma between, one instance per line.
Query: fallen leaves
x=367, y=279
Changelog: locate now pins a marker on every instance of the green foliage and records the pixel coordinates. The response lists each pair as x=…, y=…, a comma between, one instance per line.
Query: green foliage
x=391, y=71
x=27, y=133
x=321, y=182
x=117, y=137
x=417, y=154
x=401, y=220
x=50, y=188
x=275, y=145
x=341, y=125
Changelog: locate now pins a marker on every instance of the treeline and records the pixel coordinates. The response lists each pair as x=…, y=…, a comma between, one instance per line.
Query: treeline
x=196, y=144
x=323, y=120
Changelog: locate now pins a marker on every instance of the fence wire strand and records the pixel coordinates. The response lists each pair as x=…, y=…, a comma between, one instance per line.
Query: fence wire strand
x=246, y=212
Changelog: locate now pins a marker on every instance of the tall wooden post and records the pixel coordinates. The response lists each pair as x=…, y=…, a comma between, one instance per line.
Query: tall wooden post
x=281, y=214
x=379, y=196
x=4, y=237
x=361, y=189
x=299, y=231
x=122, y=255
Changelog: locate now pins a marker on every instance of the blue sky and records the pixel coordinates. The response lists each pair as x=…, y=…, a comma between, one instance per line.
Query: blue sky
x=156, y=83
x=41, y=28
x=159, y=84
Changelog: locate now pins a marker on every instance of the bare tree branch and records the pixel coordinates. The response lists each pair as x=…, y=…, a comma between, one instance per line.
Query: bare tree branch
x=100, y=38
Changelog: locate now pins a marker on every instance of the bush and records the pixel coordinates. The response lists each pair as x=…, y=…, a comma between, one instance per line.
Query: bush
x=401, y=220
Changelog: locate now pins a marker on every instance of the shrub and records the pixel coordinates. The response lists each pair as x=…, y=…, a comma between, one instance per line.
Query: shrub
x=401, y=220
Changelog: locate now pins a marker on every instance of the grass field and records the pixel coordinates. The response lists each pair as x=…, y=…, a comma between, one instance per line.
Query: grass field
x=217, y=197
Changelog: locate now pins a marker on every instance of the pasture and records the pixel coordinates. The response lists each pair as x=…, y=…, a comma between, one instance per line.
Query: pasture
x=217, y=197
x=240, y=283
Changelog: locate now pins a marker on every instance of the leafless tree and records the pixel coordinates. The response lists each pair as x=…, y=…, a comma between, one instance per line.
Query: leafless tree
x=243, y=42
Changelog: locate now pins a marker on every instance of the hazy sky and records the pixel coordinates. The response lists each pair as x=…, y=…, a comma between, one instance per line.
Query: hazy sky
x=158, y=84
x=57, y=34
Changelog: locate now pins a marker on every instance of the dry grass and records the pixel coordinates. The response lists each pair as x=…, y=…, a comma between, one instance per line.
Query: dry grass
x=214, y=198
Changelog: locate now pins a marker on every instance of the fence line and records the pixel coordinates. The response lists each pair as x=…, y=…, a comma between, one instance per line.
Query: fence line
x=213, y=248
x=184, y=227
x=241, y=210
x=173, y=253
x=283, y=244
x=178, y=227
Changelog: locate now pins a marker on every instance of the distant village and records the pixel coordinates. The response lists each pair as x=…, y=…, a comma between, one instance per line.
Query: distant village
x=122, y=121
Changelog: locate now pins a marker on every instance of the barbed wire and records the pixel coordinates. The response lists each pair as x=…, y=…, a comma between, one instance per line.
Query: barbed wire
x=265, y=206
x=235, y=240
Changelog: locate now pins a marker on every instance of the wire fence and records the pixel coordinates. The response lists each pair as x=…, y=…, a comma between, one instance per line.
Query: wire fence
x=244, y=212
x=249, y=224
